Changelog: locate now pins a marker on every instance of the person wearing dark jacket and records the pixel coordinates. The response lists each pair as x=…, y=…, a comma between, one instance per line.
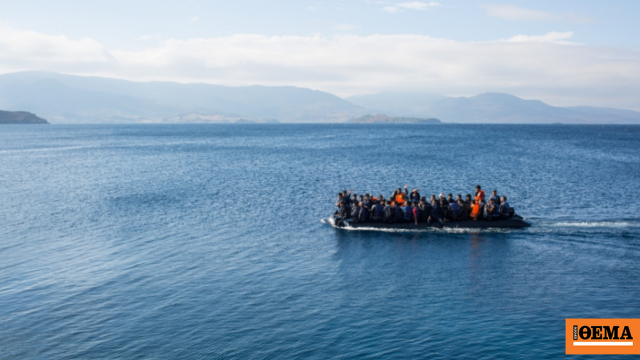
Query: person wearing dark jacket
x=414, y=196
x=342, y=214
x=364, y=214
x=467, y=200
x=450, y=198
x=425, y=210
x=463, y=215
x=454, y=210
x=346, y=196
x=367, y=203
x=444, y=210
x=355, y=212
x=489, y=209
x=505, y=212
x=435, y=213
x=495, y=197
x=389, y=212
x=377, y=211
x=408, y=212
x=398, y=213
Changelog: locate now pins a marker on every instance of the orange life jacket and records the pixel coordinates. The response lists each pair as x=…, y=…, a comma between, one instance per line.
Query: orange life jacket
x=400, y=198
x=480, y=195
x=475, y=210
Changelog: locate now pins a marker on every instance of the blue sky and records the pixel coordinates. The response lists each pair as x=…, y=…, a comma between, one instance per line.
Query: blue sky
x=564, y=52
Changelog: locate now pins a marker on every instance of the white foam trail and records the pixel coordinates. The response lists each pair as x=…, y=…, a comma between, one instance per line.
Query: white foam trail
x=595, y=224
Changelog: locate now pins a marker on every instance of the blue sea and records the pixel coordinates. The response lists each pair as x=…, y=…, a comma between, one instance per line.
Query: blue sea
x=211, y=241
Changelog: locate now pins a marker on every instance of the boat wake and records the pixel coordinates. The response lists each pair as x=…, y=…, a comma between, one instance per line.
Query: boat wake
x=537, y=227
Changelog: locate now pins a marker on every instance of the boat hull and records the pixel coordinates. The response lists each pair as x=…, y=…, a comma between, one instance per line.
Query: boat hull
x=516, y=222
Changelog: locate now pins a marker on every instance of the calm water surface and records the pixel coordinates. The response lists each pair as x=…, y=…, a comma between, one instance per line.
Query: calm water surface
x=207, y=241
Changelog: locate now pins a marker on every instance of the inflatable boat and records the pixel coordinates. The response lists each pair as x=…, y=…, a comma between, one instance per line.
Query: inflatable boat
x=514, y=222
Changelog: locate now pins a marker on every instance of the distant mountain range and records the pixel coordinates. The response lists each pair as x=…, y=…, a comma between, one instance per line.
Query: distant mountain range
x=77, y=99
x=491, y=108
x=20, y=117
x=384, y=119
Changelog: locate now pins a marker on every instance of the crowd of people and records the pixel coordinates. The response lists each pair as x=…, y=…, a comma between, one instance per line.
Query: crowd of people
x=410, y=207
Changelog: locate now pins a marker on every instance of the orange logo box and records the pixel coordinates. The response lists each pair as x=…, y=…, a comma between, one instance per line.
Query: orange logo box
x=602, y=336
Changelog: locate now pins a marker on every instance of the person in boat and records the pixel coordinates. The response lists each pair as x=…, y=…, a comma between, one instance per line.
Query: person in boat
x=355, y=212
x=495, y=197
x=467, y=200
x=445, y=213
x=408, y=211
x=342, y=214
x=417, y=213
x=479, y=193
x=475, y=210
x=505, y=209
x=377, y=211
x=367, y=203
x=380, y=197
x=432, y=199
x=454, y=210
x=398, y=213
x=435, y=213
x=496, y=211
x=340, y=199
x=346, y=196
x=389, y=212
x=399, y=197
x=414, y=196
x=489, y=210
x=425, y=210
x=463, y=215
x=449, y=198
x=466, y=207
x=364, y=214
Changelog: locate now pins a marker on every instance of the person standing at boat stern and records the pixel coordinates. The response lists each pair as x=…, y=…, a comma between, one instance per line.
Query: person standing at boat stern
x=399, y=197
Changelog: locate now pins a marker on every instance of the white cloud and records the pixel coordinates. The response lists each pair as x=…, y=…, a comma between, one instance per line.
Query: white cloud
x=311, y=8
x=417, y=5
x=541, y=67
x=512, y=12
x=391, y=9
x=553, y=36
x=195, y=18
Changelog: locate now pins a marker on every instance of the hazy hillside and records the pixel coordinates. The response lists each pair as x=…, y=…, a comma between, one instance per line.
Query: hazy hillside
x=494, y=108
x=396, y=103
x=67, y=98
x=77, y=99
x=20, y=117
x=384, y=119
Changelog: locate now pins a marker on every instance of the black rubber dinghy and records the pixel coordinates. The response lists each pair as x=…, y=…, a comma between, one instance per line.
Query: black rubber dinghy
x=515, y=222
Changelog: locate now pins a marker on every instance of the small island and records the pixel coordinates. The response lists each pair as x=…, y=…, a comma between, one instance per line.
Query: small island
x=384, y=119
x=20, y=117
